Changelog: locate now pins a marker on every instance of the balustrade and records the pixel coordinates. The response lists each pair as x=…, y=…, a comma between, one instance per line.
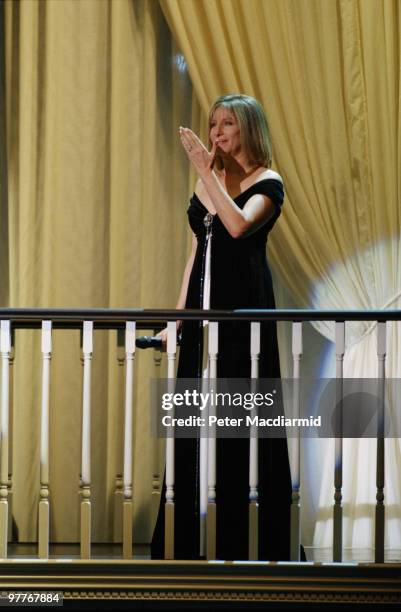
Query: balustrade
x=127, y=323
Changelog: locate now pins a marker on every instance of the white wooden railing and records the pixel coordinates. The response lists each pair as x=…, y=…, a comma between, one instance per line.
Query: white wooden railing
x=129, y=321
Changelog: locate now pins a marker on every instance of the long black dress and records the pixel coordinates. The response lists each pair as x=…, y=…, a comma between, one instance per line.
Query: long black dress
x=240, y=278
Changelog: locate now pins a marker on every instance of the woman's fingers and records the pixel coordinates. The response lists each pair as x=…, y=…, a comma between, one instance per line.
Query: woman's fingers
x=163, y=335
x=194, y=138
x=186, y=139
x=196, y=151
x=189, y=139
x=213, y=153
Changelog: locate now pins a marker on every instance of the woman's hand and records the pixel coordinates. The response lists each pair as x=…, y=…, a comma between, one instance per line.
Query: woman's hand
x=163, y=335
x=198, y=155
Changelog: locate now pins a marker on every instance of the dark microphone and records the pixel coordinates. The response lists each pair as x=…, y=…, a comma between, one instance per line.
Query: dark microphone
x=144, y=342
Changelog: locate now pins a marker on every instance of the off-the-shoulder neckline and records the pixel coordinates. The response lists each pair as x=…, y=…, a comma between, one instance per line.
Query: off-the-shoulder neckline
x=240, y=194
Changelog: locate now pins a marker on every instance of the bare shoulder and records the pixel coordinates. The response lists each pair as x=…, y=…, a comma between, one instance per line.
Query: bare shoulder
x=268, y=174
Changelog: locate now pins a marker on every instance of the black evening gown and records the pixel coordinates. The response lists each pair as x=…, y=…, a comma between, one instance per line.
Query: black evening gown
x=240, y=278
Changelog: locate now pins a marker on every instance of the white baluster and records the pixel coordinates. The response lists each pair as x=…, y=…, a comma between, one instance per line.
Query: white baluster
x=44, y=518
x=296, y=446
x=211, y=460
x=127, y=472
x=157, y=451
x=10, y=437
x=338, y=459
x=170, y=476
x=380, y=478
x=87, y=349
x=118, y=491
x=253, y=537
x=5, y=347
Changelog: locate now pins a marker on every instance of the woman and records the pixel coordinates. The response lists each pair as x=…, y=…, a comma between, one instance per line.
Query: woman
x=236, y=202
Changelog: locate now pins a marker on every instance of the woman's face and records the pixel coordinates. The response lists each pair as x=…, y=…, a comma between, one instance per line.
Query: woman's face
x=225, y=131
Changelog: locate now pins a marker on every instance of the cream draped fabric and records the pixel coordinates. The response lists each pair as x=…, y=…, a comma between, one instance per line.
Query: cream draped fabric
x=327, y=72
x=97, y=194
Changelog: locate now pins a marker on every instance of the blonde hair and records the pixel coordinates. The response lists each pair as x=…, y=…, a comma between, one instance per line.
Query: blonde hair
x=254, y=129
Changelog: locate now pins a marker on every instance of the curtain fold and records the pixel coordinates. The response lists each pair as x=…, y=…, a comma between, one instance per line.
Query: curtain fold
x=4, y=263
x=327, y=73
x=97, y=193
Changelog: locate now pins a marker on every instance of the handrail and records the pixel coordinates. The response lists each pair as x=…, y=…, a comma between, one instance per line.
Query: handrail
x=88, y=319
x=109, y=318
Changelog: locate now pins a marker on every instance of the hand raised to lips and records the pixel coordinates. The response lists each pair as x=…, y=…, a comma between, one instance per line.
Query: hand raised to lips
x=198, y=155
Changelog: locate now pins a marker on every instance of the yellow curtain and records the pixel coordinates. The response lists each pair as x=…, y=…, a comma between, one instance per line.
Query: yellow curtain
x=314, y=64
x=97, y=193
x=327, y=73
x=3, y=177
